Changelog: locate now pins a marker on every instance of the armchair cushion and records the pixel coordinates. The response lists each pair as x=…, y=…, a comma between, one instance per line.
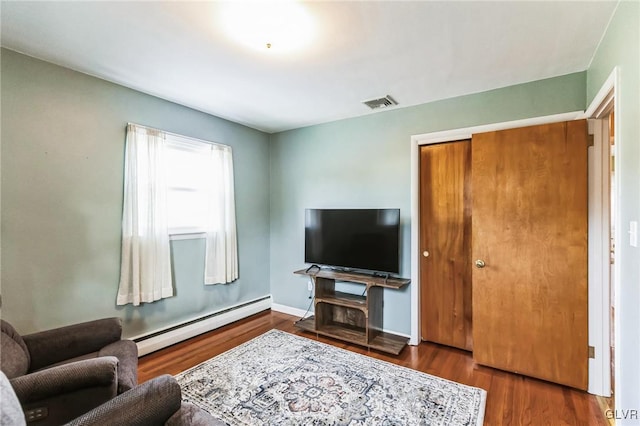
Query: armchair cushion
x=97, y=372
x=14, y=354
x=60, y=344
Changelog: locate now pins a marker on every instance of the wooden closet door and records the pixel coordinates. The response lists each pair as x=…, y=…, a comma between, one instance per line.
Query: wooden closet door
x=445, y=230
x=530, y=229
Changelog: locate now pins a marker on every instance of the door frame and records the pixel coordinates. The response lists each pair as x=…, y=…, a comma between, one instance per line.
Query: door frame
x=600, y=283
x=599, y=328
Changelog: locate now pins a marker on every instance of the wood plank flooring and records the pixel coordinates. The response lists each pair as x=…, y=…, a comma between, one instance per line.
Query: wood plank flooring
x=511, y=399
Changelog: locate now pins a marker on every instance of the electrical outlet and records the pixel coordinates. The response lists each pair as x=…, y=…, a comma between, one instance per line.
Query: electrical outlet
x=310, y=285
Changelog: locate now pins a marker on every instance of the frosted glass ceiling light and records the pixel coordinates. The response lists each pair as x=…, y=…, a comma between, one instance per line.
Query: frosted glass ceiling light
x=274, y=26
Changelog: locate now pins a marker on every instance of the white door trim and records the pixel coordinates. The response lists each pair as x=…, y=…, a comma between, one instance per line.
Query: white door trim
x=450, y=136
x=599, y=234
x=599, y=267
x=604, y=100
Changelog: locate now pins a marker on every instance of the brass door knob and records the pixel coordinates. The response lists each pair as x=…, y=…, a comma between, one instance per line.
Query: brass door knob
x=480, y=263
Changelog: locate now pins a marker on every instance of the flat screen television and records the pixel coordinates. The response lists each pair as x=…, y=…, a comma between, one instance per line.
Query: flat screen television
x=363, y=239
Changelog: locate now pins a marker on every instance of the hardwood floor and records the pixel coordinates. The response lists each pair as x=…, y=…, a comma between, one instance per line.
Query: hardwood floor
x=511, y=399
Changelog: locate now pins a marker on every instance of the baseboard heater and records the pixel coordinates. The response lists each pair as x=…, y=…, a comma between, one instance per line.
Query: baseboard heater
x=160, y=339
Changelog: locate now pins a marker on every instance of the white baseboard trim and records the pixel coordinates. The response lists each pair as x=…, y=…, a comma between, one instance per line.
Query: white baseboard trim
x=290, y=310
x=227, y=316
x=408, y=336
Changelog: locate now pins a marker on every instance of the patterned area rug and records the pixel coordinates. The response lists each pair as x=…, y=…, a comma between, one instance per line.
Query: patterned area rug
x=282, y=379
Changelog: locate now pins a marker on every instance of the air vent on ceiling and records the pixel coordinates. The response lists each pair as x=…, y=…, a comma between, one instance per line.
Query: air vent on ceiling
x=384, y=102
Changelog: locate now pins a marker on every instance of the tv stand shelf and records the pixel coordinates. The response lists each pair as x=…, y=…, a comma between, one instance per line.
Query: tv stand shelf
x=351, y=317
x=345, y=299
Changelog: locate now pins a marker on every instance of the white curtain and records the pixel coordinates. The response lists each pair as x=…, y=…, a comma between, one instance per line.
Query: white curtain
x=221, y=259
x=145, y=274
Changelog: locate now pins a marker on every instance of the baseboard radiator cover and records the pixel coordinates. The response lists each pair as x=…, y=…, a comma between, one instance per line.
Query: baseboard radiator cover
x=154, y=341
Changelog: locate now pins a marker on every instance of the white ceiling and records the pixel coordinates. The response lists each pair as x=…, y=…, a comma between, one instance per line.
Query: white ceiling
x=416, y=52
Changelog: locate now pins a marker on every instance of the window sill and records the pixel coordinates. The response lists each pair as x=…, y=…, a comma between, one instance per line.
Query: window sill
x=187, y=236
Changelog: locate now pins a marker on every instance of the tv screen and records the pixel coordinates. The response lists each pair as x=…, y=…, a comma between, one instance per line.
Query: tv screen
x=366, y=239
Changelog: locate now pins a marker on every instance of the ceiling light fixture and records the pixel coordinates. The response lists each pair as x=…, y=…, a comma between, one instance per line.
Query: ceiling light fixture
x=276, y=26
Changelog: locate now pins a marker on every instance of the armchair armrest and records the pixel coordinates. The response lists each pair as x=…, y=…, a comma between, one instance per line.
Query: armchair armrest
x=52, y=382
x=127, y=353
x=150, y=403
x=52, y=346
x=191, y=415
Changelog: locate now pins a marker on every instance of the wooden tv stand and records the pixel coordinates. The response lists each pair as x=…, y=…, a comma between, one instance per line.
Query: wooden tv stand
x=352, y=317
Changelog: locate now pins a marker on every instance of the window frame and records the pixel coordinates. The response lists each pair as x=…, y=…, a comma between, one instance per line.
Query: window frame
x=177, y=142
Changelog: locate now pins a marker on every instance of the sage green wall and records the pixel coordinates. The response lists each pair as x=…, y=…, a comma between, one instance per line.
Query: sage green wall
x=63, y=136
x=621, y=47
x=365, y=162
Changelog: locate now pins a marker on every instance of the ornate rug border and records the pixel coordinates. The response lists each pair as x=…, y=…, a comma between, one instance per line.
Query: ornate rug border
x=483, y=392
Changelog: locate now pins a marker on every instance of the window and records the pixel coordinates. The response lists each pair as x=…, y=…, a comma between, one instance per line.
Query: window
x=200, y=199
x=174, y=184
x=188, y=187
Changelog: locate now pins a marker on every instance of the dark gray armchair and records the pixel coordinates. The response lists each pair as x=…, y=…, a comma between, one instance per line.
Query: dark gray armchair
x=156, y=402
x=62, y=373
